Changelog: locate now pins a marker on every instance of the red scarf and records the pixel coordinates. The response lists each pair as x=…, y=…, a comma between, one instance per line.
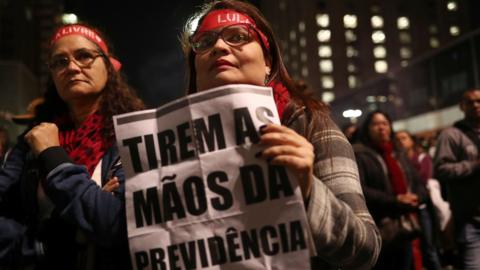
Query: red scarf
x=395, y=173
x=85, y=145
x=280, y=95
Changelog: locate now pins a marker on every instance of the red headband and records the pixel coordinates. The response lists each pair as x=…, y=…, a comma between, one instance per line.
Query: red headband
x=224, y=17
x=75, y=29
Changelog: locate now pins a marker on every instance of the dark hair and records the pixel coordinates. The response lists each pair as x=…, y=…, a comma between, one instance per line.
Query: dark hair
x=364, y=134
x=318, y=110
x=117, y=97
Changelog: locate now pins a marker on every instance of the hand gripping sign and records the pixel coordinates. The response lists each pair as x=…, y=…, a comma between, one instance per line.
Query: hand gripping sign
x=196, y=195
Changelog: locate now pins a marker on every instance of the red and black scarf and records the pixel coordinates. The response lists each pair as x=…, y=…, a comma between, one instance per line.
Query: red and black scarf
x=395, y=173
x=85, y=145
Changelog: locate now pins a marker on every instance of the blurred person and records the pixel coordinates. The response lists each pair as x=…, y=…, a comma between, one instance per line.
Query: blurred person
x=392, y=189
x=243, y=50
x=54, y=213
x=457, y=166
x=423, y=164
x=4, y=144
x=351, y=132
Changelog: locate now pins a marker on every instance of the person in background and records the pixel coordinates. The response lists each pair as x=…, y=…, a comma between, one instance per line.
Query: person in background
x=54, y=213
x=423, y=164
x=351, y=132
x=4, y=145
x=457, y=166
x=391, y=186
x=244, y=50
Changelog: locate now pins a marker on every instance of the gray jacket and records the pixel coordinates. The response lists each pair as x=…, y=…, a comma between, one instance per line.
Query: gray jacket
x=456, y=165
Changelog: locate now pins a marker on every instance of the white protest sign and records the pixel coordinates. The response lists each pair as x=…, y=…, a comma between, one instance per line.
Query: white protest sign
x=196, y=195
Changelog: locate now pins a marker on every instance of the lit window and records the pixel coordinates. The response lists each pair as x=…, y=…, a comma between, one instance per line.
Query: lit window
x=377, y=21
x=69, y=18
x=405, y=52
x=351, y=67
x=454, y=30
x=293, y=35
x=351, y=51
x=433, y=29
x=282, y=5
x=284, y=44
x=328, y=96
x=305, y=72
x=380, y=52
x=303, y=57
x=378, y=36
x=452, y=5
x=286, y=58
x=303, y=42
x=301, y=26
x=350, y=21
x=381, y=66
x=323, y=35
x=350, y=36
x=323, y=20
x=352, y=81
x=403, y=23
x=326, y=66
x=405, y=37
x=404, y=63
x=294, y=51
x=434, y=43
x=324, y=51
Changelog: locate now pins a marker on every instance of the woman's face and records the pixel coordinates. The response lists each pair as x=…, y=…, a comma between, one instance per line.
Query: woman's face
x=77, y=68
x=224, y=64
x=379, y=129
x=404, y=140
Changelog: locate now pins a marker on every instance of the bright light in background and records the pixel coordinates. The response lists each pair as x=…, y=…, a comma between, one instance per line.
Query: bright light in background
x=378, y=36
x=328, y=96
x=324, y=35
x=323, y=20
x=452, y=5
x=403, y=23
x=69, y=18
x=454, y=30
x=350, y=21
x=351, y=113
x=377, y=21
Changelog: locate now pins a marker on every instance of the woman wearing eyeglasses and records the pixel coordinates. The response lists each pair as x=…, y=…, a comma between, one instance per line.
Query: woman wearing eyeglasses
x=234, y=43
x=61, y=189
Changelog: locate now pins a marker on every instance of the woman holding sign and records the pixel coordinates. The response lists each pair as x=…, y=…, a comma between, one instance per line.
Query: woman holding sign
x=54, y=212
x=234, y=44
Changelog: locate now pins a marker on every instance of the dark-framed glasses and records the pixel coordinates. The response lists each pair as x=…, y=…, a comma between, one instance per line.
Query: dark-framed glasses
x=234, y=35
x=83, y=58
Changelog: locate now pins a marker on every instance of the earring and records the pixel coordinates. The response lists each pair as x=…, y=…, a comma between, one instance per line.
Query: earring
x=267, y=76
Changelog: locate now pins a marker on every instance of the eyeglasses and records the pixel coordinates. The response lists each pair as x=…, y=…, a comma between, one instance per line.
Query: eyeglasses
x=83, y=58
x=234, y=35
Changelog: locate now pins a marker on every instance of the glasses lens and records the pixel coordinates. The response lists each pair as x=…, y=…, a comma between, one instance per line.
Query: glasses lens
x=236, y=35
x=58, y=62
x=84, y=58
x=204, y=41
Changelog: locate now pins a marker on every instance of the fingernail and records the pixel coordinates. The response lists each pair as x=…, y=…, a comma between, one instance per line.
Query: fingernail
x=261, y=128
x=258, y=154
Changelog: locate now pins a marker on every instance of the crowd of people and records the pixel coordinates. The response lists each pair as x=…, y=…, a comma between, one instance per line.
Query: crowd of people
x=367, y=192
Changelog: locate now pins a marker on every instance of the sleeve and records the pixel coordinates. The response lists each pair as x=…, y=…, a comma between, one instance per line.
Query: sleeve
x=343, y=230
x=447, y=164
x=82, y=202
x=15, y=243
x=376, y=198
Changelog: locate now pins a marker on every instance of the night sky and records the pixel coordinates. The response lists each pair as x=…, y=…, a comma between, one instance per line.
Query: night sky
x=145, y=38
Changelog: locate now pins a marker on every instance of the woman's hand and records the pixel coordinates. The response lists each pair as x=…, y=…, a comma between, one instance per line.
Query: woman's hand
x=42, y=136
x=409, y=199
x=287, y=148
x=111, y=185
